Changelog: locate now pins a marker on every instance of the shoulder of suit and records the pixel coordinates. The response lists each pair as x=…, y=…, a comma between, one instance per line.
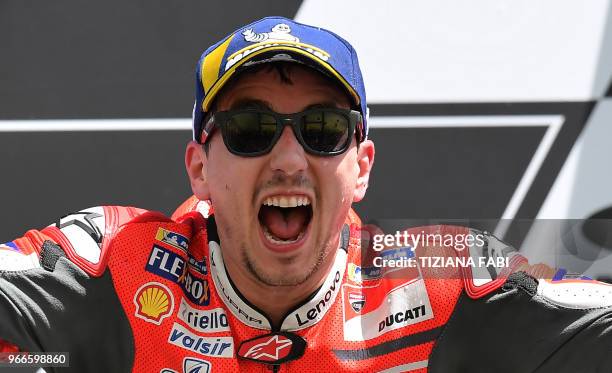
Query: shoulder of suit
x=84, y=237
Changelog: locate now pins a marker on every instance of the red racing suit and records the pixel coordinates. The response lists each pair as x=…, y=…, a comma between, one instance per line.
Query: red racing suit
x=127, y=290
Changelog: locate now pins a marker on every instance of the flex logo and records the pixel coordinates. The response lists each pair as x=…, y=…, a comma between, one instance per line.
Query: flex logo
x=274, y=348
x=173, y=267
x=166, y=264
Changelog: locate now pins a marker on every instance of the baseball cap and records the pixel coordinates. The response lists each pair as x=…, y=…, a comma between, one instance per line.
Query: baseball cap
x=274, y=39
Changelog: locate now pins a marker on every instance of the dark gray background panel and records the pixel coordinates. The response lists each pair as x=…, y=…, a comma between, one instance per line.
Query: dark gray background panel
x=575, y=115
x=425, y=173
x=48, y=175
x=112, y=59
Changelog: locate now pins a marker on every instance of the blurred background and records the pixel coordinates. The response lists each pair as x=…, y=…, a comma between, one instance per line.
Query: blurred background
x=479, y=110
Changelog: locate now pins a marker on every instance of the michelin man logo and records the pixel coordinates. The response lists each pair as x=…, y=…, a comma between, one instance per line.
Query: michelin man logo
x=280, y=32
x=280, y=35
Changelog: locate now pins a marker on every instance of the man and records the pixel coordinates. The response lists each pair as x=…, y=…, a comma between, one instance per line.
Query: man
x=266, y=268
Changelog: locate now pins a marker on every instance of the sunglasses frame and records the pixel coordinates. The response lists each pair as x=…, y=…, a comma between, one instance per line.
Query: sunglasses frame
x=221, y=118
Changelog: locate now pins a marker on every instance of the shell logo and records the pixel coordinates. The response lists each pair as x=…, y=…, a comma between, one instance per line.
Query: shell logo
x=154, y=302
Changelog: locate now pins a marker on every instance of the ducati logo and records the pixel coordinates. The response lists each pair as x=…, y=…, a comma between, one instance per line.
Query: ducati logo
x=273, y=348
x=357, y=301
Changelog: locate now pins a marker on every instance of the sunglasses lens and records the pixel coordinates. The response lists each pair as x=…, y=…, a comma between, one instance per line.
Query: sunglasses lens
x=249, y=132
x=252, y=133
x=325, y=131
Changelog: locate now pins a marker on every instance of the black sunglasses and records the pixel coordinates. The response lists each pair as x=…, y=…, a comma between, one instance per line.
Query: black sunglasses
x=254, y=132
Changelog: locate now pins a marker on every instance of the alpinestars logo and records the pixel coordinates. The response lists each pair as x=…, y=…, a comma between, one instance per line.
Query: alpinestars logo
x=273, y=348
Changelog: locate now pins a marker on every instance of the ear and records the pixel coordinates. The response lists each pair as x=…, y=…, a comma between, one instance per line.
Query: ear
x=365, y=160
x=195, y=162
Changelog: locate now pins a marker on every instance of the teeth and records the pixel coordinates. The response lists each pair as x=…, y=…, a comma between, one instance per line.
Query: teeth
x=284, y=202
x=287, y=201
x=293, y=201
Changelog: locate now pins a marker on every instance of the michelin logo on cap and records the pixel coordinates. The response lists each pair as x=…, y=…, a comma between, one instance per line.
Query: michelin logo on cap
x=280, y=32
x=279, y=35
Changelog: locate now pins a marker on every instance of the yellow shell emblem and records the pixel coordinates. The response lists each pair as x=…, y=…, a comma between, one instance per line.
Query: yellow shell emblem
x=153, y=301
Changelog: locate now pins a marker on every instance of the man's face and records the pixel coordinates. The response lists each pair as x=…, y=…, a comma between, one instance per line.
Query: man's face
x=281, y=245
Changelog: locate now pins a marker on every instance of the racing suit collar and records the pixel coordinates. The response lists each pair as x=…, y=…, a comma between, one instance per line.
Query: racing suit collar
x=304, y=315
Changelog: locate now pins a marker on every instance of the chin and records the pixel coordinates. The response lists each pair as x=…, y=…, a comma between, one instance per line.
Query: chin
x=285, y=270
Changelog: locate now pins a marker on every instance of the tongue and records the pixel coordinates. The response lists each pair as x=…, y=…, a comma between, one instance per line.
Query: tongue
x=284, y=225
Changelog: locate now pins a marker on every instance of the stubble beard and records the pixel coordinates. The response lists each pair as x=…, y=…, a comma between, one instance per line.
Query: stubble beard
x=285, y=280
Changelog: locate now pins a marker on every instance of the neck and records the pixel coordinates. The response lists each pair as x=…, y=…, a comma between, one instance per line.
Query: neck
x=276, y=301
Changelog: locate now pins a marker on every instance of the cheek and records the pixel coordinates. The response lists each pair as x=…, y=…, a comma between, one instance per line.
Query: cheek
x=233, y=185
x=226, y=184
x=228, y=177
x=341, y=180
x=229, y=194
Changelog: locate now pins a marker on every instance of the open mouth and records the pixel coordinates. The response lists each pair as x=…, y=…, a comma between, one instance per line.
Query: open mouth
x=284, y=219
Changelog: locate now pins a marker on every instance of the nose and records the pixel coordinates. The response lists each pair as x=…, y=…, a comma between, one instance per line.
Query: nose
x=288, y=156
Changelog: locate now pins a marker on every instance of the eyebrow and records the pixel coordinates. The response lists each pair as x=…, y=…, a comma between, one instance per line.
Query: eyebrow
x=250, y=103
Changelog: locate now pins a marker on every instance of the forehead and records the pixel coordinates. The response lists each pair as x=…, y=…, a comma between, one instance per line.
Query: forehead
x=279, y=84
